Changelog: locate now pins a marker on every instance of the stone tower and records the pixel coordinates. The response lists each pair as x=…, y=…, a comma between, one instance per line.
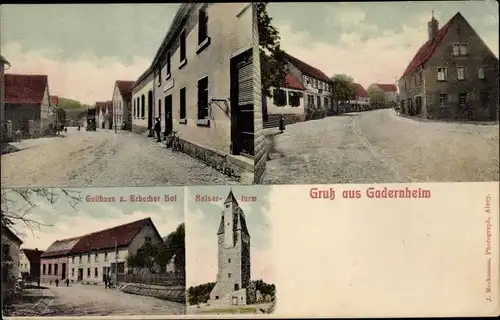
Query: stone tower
x=233, y=274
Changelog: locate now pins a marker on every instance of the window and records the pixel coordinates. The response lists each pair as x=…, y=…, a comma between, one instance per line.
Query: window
x=96, y=273
x=294, y=98
x=462, y=99
x=202, y=24
x=44, y=269
x=443, y=99
x=229, y=260
x=461, y=73
x=236, y=287
x=80, y=258
x=319, y=101
x=96, y=257
x=203, y=98
x=463, y=49
x=105, y=256
x=121, y=267
x=456, y=49
x=216, y=297
x=182, y=104
x=459, y=49
x=229, y=275
x=50, y=269
x=159, y=76
x=134, y=108
x=56, y=269
x=73, y=259
x=325, y=101
x=480, y=73
x=72, y=272
x=279, y=97
x=159, y=108
x=182, y=39
x=88, y=257
x=168, y=64
x=147, y=239
x=441, y=74
x=88, y=272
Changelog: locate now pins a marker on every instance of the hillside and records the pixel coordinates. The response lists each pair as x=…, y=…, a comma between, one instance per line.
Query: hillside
x=74, y=110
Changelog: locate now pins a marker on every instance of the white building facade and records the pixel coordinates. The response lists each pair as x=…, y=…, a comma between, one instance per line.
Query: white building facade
x=142, y=103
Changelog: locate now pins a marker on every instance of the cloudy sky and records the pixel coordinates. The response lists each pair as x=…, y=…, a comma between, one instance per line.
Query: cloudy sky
x=370, y=41
x=83, y=48
x=65, y=222
x=202, y=222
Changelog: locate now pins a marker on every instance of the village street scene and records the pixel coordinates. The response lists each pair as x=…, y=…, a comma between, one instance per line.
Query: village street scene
x=413, y=99
x=174, y=109
x=229, y=257
x=78, y=252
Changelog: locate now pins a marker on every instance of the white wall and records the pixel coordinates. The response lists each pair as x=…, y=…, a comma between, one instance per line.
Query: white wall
x=288, y=109
x=230, y=31
x=118, y=106
x=142, y=121
x=101, y=262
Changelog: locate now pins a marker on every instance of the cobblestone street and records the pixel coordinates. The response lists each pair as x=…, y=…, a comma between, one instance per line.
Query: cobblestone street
x=382, y=147
x=103, y=158
x=90, y=300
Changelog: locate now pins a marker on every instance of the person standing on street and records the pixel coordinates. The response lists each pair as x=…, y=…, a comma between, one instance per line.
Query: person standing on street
x=282, y=124
x=105, y=281
x=67, y=282
x=157, y=129
x=57, y=282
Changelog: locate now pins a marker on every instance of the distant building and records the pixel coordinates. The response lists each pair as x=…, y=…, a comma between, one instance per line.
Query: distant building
x=54, y=261
x=104, y=114
x=10, y=261
x=233, y=276
x=361, y=101
x=3, y=62
x=122, y=103
x=389, y=92
x=104, y=253
x=454, y=75
x=30, y=263
x=288, y=101
x=27, y=103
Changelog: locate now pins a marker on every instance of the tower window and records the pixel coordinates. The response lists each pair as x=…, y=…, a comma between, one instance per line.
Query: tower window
x=229, y=260
x=216, y=297
x=227, y=205
x=229, y=275
x=236, y=287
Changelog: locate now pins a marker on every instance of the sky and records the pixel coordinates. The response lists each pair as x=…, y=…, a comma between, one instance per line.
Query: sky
x=373, y=42
x=83, y=48
x=60, y=220
x=202, y=223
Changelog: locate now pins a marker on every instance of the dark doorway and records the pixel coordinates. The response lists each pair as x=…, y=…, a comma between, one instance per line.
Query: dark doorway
x=169, y=123
x=418, y=105
x=150, y=110
x=242, y=101
x=80, y=274
x=63, y=271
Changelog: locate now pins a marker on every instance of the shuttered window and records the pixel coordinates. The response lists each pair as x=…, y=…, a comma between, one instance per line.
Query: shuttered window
x=202, y=24
x=245, y=84
x=182, y=104
x=203, y=98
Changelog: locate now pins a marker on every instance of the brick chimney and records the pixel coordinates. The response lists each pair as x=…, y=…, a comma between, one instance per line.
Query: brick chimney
x=432, y=27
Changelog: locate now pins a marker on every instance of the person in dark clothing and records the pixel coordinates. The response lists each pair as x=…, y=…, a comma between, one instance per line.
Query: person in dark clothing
x=282, y=124
x=57, y=282
x=157, y=129
x=105, y=281
x=67, y=282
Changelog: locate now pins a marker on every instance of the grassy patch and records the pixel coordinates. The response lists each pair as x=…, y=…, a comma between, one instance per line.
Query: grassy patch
x=245, y=309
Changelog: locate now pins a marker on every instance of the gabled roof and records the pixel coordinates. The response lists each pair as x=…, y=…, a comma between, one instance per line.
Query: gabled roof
x=54, y=100
x=125, y=88
x=103, y=105
x=230, y=197
x=359, y=91
x=292, y=83
x=387, y=87
x=120, y=236
x=307, y=69
x=60, y=247
x=25, y=88
x=33, y=255
x=239, y=222
x=427, y=49
x=11, y=235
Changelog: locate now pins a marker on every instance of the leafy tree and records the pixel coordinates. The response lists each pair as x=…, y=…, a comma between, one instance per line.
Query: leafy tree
x=264, y=288
x=377, y=97
x=271, y=55
x=200, y=294
x=342, y=88
x=61, y=115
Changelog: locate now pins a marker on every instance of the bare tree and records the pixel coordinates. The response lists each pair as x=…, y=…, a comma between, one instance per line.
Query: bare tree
x=17, y=204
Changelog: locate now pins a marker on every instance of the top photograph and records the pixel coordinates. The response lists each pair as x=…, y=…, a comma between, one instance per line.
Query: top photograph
x=97, y=95
x=378, y=92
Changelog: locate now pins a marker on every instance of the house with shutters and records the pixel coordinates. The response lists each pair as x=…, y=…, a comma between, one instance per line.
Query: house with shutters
x=360, y=100
x=29, y=263
x=104, y=253
x=200, y=84
x=388, y=94
x=122, y=104
x=454, y=75
x=288, y=101
x=54, y=261
x=27, y=103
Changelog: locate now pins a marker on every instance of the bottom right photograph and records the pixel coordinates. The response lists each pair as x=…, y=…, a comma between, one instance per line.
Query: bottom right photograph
x=229, y=251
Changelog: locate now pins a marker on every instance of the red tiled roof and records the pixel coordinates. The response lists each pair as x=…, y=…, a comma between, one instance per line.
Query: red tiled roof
x=25, y=88
x=359, y=91
x=387, y=87
x=125, y=88
x=307, y=69
x=105, y=239
x=33, y=255
x=292, y=83
x=427, y=49
x=60, y=247
x=54, y=100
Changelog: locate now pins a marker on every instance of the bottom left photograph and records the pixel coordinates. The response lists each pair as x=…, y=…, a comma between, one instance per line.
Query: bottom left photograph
x=93, y=252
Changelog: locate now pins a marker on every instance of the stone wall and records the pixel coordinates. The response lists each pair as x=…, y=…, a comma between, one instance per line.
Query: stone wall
x=171, y=293
x=222, y=162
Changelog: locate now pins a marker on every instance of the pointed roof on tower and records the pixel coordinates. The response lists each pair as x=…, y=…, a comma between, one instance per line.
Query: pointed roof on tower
x=239, y=221
x=230, y=197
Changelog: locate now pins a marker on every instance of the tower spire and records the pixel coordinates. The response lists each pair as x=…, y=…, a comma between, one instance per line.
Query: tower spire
x=432, y=13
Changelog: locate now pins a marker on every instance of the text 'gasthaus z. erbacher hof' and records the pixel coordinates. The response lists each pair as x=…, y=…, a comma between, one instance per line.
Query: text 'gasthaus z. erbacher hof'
x=370, y=193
